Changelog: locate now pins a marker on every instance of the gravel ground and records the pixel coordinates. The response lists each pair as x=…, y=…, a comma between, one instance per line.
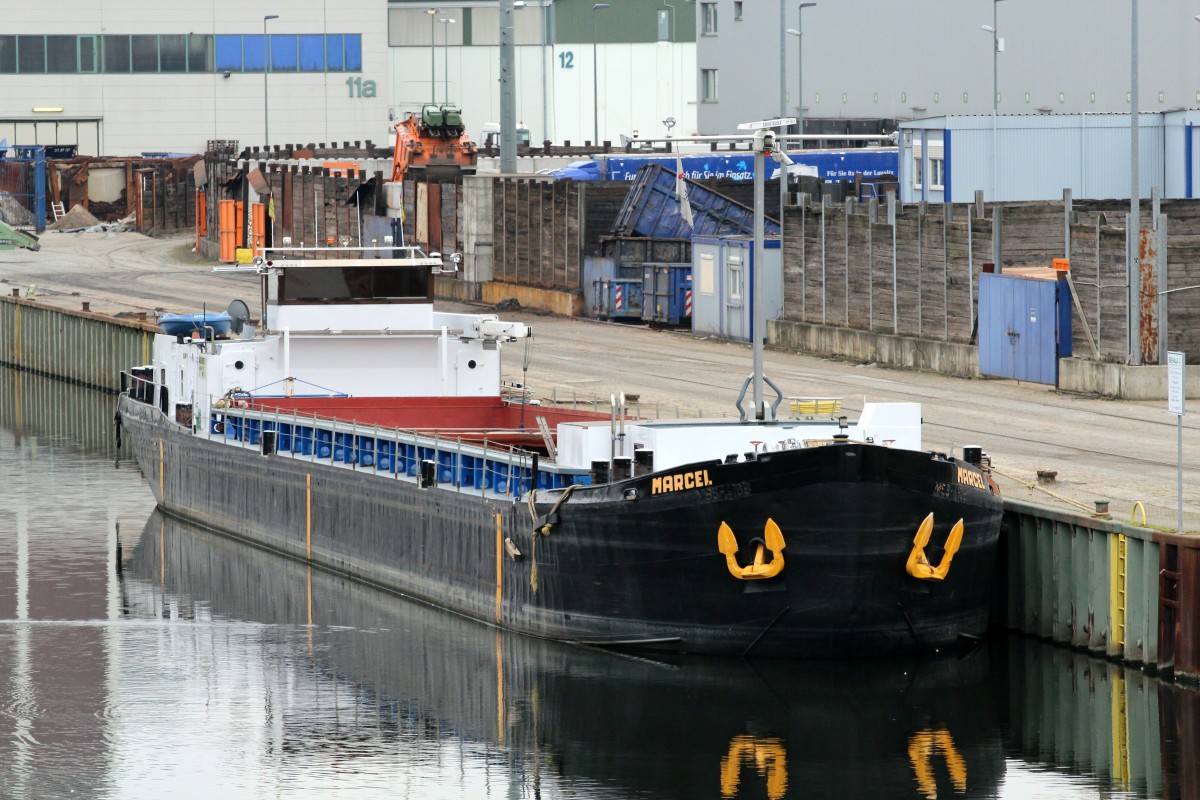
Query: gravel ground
x=1120, y=451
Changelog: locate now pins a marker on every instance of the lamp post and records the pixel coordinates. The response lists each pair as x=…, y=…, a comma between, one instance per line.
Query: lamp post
x=445, y=58
x=432, y=12
x=783, y=177
x=1133, y=229
x=266, y=69
x=997, y=43
x=595, y=79
x=799, y=34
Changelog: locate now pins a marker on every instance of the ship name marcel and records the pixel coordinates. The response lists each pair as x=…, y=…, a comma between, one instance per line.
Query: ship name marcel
x=971, y=478
x=683, y=480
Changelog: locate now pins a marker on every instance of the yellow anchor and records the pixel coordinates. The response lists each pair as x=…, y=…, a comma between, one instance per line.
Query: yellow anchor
x=918, y=565
x=727, y=544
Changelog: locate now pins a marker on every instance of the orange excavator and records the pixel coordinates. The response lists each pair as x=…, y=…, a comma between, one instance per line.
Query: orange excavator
x=433, y=146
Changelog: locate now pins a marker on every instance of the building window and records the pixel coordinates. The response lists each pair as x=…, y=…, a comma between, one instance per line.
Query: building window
x=283, y=51
x=735, y=278
x=146, y=53
x=229, y=53
x=61, y=55
x=737, y=9
x=708, y=16
x=31, y=54
x=116, y=53
x=200, y=53
x=172, y=53
x=664, y=26
x=8, y=54
x=937, y=167
x=87, y=53
x=708, y=86
x=312, y=53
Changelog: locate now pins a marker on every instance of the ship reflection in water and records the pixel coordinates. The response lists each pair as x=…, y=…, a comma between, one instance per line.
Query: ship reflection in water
x=375, y=678
x=198, y=666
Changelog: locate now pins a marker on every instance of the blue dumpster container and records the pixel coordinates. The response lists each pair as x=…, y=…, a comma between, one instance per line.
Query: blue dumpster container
x=667, y=294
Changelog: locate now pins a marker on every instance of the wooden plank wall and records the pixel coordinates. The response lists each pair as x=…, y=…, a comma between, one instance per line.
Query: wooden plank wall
x=538, y=232
x=845, y=265
x=1183, y=270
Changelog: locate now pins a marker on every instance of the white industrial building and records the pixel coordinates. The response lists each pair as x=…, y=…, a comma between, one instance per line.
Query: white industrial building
x=121, y=77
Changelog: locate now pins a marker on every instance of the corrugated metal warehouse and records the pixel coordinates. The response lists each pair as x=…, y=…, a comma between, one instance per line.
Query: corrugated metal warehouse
x=1036, y=156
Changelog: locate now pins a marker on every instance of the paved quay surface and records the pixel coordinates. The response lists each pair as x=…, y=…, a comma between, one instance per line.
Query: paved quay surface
x=1120, y=451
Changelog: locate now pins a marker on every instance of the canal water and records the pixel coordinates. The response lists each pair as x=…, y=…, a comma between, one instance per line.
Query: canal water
x=142, y=657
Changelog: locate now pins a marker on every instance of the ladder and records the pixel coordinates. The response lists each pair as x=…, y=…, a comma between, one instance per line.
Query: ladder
x=547, y=439
x=59, y=211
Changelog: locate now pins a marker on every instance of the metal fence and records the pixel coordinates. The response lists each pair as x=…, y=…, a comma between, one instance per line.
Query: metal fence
x=22, y=188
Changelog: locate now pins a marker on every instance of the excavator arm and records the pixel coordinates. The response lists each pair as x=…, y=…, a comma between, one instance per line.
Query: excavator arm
x=434, y=143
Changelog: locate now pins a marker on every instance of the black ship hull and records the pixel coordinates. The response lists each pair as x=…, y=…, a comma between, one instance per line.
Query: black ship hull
x=634, y=563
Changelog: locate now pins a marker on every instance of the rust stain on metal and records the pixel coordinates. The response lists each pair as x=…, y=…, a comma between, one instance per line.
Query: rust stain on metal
x=1148, y=285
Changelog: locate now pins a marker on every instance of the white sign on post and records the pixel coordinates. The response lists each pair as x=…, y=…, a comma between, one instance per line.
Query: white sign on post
x=1175, y=394
x=1175, y=383
x=778, y=122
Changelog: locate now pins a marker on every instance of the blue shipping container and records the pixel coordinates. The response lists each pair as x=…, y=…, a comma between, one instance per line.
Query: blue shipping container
x=667, y=293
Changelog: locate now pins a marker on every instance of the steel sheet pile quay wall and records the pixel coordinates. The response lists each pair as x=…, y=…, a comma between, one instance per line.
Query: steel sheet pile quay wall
x=44, y=406
x=1055, y=711
x=1083, y=582
x=76, y=346
x=1178, y=599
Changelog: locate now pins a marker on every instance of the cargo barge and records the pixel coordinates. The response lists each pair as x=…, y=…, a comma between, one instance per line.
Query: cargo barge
x=364, y=432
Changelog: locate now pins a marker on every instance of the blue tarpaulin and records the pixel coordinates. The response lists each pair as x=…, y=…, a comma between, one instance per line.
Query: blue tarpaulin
x=831, y=165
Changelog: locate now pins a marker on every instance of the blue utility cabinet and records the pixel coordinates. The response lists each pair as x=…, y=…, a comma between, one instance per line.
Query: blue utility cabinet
x=1024, y=327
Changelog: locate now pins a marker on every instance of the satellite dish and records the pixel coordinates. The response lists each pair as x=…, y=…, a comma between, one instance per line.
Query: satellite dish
x=239, y=312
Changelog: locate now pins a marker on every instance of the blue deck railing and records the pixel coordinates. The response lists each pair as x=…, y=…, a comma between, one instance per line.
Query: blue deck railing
x=488, y=469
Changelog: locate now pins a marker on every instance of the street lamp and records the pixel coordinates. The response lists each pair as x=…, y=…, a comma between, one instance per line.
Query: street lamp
x=595, y=80
x=432, y=12
x=266, y=69
x=799, y=34
x=446, y=57
x=997, y=46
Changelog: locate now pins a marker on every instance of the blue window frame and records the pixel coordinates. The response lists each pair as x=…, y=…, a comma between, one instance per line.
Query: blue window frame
x=254, y=53
x=334, y=60
x=229, y=53
x=353, y=53
x=312, y=52
x=155, y=53
x=283, y=52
